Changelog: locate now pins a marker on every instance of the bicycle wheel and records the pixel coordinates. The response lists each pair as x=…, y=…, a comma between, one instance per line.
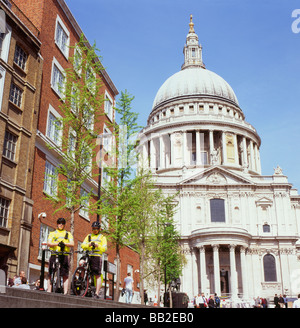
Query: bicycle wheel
x=56, y=281
x=80, y=284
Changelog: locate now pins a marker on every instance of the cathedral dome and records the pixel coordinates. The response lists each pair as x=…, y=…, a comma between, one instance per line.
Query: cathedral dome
x=194, y=81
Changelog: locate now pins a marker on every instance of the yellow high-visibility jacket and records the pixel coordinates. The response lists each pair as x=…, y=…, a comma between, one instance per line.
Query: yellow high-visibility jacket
x=99, y=239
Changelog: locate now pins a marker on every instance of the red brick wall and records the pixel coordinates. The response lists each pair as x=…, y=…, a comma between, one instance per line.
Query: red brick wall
x=43, y=13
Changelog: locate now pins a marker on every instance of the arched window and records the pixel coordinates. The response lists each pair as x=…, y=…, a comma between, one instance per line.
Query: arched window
x=217, y=210
x=266, y=228
x=270, y=268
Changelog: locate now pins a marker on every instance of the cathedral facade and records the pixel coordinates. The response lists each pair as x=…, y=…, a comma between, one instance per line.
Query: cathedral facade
x=239, y=229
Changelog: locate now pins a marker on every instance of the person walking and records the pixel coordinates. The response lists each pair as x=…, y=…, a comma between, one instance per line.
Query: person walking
x=211, y=302
x=60, y=241
x=217, y=301
x=296, y=304
x=128, y=286
x=97, y=243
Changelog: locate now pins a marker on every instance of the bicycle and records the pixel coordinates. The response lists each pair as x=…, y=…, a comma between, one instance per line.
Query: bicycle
x=55, y=277
x=83, y=281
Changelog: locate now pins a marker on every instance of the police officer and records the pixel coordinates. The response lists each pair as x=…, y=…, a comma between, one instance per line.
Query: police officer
x=97, y=243
x=60, y=240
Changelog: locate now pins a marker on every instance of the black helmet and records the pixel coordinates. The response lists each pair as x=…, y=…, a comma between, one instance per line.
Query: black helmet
x=96, y=224
x=61, y=220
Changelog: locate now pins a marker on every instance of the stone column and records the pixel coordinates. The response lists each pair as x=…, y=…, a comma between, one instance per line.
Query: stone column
x=236, y=150
x=245, y=157
x=172, y=149
x=233, y=274
x=184, y=148
x=152, y=155
x=162, y=152
x=244, y=272
x=211, y=144
x=252, y=156
x=216, y=269
x=224, y=151
x=202, y=269
x=198, y=148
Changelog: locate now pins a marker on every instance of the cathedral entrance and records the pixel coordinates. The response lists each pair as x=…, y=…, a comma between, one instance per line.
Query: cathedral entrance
x=224, y=282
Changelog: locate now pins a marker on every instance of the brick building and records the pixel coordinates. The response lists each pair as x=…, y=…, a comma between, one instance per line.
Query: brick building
x=20, y=84
x=58, y=32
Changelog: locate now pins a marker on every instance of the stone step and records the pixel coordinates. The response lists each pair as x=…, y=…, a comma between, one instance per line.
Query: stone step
x=22, y=298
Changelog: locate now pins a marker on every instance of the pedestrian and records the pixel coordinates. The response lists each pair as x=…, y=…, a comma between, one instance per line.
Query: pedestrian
x=145, y=297
x=60, y=241
x=202, y=301
x=296, y=304
x=257, y=302
x=128, y=286
x=23, y=284
x=285, y=301
x=281, y=301
x=18, y=279
x=276, y=301
x=217, y=301
x=211, y=302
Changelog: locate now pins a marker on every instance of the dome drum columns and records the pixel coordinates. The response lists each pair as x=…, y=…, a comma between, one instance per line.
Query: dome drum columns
x=176, y=150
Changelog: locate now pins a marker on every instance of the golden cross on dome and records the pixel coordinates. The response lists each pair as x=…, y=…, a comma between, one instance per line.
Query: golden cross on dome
x=191, y=25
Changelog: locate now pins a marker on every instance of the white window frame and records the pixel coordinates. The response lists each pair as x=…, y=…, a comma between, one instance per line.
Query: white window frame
x=44, y=233
x=50, y=183
x=4, y=56
x=4, y=206
x=109, y=109
x=107, y=139
x=10, y=145
x=6, y=44
x=65, y=50
x=91, y=86
x=77, y=51
x=50, y=133
x=89, y=116
x=54, y=84
x=105, y=177
x=20, y=57
x=71, y=145
x=83, y=211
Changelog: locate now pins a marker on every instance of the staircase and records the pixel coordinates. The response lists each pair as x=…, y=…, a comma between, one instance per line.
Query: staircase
x=22, y=298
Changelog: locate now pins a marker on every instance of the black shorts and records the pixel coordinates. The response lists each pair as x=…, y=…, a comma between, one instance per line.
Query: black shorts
x=64, y=265
x=96, y=265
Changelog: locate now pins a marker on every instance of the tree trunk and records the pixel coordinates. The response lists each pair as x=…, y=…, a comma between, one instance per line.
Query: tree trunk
x=118, y=277
x=170, y=296
x=142, y=261
x=71, y=268
x=158, y=288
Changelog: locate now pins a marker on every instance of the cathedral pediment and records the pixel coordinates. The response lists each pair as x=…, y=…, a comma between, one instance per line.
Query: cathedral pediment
x=216, y=176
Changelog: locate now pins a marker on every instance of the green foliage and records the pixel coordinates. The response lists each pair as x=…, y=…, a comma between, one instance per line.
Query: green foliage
x=81, y=108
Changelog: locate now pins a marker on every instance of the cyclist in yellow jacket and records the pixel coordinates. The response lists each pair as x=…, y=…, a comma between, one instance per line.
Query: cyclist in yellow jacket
x=60, y=240
x=97, y=243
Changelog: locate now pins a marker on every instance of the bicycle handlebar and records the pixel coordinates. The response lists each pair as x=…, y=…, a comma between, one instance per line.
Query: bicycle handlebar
x=57, y=253
x=86, y=252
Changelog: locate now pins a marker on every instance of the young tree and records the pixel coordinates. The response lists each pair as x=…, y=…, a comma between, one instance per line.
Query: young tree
x=142, y=213
x=79, y=123
x=116, y=202
x=165, y=248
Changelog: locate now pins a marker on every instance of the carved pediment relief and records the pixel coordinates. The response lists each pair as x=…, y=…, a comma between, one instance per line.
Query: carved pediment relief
x=216, y=176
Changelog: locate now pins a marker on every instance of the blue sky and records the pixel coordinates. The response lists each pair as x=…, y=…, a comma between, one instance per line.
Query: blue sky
x=249, y=43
